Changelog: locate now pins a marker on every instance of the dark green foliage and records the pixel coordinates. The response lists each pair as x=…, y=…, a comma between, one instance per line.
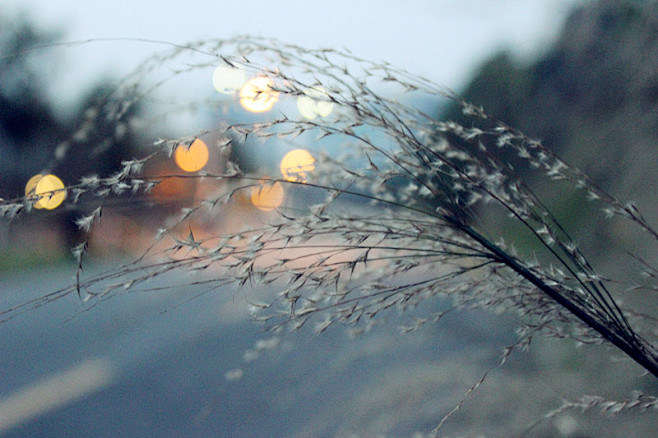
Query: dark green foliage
x=592, y=98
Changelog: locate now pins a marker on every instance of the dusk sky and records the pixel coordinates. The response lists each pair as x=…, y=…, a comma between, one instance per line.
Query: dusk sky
x=442, y=40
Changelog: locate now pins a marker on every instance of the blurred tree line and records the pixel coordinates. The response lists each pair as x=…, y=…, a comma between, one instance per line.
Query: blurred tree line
x=592, y=98
x=37, y=139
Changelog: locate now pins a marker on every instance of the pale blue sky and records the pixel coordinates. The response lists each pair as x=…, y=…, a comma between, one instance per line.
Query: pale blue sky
x=442, y=39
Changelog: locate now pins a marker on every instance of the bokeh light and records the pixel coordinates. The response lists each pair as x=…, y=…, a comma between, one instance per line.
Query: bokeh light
x=314, y=103
x=31, y=185
x=48, y=188
x=193, y=157
x=267, y=196
x=296, y=164
x=228, y=80
x=257, y=95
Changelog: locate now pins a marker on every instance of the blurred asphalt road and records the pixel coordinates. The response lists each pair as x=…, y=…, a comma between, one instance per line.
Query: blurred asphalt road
x=151, y=364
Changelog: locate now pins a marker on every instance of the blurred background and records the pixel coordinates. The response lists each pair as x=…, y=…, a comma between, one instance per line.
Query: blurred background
x=579, y=75
x=48, y=92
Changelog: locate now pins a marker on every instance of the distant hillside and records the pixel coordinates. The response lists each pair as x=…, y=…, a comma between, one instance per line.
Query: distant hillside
x=593, y=98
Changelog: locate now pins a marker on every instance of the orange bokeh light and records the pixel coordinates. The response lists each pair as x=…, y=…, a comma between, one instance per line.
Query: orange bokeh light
x=192, y=158
x=48, y=188
x=296, y=164
x=257, y=95
x=267, y=196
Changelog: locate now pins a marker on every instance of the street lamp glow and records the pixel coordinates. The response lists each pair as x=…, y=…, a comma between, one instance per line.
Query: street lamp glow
x=296, y=164
x=257, y=95
x=193, y=157
x=228, y=80
x=48, y=188
x=314, y=103
x=267, y=196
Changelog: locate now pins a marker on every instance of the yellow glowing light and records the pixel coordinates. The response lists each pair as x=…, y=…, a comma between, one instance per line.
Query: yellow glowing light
x=295, y=165
x=191, y=158
x=267, y=196
x=314, y=103
x=32, y=184
x=257, y=95
x=48, y=188
x=228, y=80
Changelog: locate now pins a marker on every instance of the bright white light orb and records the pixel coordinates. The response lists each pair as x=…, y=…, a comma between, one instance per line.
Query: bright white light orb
x=314, y=103
x=257, y=95
x=228, y=80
